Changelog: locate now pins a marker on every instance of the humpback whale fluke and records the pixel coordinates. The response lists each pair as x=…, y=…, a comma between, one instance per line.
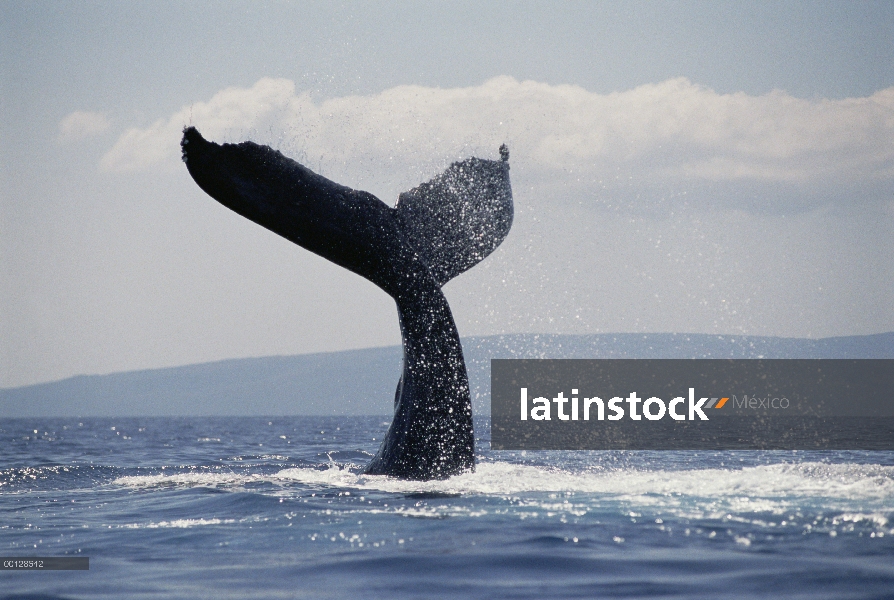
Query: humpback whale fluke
x=435, y=232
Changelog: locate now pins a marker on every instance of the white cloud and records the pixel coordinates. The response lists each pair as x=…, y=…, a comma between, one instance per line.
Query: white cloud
x=81, y=124
x=233, y=108
x=670, y=131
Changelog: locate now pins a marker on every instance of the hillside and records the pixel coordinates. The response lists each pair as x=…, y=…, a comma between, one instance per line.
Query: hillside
x=356, y=382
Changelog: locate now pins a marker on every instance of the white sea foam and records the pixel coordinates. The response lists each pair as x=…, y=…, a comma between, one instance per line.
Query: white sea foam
x=178, y=524
x=809, y=496
x=796, y=481
x=188, y=479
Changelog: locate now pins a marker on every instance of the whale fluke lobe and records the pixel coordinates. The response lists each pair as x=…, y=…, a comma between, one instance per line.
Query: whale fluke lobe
x=435, y=232
x=455, y=220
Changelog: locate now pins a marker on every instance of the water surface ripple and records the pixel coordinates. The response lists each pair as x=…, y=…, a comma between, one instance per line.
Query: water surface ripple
x=278, y=508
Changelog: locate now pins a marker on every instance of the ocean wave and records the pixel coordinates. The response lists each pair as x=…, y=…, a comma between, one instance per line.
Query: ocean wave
x=807, y=497
x=776, y=481
x=177, y=524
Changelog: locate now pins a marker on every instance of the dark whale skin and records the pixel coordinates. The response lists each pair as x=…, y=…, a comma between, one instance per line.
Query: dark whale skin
x=435, y=232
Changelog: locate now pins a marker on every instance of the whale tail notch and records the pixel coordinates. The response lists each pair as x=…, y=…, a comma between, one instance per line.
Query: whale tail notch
x=435, y=232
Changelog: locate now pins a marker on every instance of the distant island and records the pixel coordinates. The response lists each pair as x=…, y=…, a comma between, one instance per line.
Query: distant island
x=361, y=382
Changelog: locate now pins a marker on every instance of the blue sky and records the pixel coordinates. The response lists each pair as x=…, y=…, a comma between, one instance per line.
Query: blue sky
x=704, y=167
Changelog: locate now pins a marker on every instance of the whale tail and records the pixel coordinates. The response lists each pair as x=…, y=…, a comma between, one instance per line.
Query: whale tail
x=458, y=218
x=435, y=232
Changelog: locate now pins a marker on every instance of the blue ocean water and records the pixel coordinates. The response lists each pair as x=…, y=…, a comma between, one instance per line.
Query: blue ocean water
x=276, y=508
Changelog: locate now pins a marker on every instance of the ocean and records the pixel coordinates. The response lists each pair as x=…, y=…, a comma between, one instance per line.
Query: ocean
x=232, y=507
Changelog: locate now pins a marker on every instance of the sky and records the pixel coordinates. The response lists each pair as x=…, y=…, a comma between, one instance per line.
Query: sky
x=697, y=167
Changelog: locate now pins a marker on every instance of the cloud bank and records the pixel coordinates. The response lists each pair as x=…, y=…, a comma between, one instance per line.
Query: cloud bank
x=81, y=124
x=674, y=132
